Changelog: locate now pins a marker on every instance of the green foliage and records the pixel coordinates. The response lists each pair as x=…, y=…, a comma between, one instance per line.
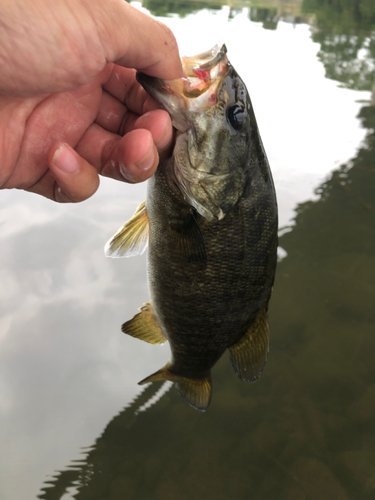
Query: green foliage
x=344, y=30
x=342, y=16
x=182, y=8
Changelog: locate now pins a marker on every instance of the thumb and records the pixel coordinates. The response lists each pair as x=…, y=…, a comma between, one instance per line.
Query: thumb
x=76, y=180
x=135, y=40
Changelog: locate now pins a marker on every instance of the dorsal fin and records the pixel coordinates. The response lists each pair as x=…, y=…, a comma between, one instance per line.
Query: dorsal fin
x=143, y=326
x=196, y=392
x=132, y=238
x=249, y=354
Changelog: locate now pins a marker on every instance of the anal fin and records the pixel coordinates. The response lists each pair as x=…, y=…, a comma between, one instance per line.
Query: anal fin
x=249, y=354
x=132, y=238
x=143, y=326
x=196, y=392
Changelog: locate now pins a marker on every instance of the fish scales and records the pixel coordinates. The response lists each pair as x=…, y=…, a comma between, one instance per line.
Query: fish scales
x=215, y=304
x=211, y=218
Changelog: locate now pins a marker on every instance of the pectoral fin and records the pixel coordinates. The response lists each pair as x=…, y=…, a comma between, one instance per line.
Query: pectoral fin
x=132, y=238
x=143, y=326
x=249, y=354
x=196, y=392
x=188, y=239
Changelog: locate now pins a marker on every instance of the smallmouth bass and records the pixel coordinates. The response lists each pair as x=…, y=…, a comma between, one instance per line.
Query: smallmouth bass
x=210, y=222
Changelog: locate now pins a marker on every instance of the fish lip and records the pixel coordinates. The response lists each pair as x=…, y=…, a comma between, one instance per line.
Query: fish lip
x=201, y=70
x=204, y=61
x=184, y=97
x=154, y=86
x=148, y=81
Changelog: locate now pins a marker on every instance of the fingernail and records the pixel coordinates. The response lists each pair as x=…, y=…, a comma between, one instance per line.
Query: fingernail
x=65, y=160
x=148, y=160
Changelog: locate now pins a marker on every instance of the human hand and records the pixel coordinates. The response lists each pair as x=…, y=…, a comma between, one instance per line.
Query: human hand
x=66, y=99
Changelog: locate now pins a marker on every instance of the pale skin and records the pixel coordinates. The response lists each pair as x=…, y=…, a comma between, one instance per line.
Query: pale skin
x=70, y=105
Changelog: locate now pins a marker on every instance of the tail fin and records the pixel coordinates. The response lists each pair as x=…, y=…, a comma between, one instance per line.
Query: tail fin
x=196, y=392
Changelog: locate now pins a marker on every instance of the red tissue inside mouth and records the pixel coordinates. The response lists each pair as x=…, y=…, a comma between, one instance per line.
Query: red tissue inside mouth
x=167, y=87
x=202, y=74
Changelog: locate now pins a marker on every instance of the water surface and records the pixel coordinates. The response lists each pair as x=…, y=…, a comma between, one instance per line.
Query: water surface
x=74, y=422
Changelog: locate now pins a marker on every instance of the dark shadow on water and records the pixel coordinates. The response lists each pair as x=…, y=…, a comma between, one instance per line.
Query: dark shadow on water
x=306, y=429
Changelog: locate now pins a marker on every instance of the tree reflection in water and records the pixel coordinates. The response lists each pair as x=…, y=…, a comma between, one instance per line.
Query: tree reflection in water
x=306, y=429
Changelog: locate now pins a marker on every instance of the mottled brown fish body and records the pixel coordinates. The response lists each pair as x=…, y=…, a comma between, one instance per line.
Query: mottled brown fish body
x=204, y=309
x=210, y=220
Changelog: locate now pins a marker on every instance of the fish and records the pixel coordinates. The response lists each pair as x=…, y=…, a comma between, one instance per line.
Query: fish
x=210, y=224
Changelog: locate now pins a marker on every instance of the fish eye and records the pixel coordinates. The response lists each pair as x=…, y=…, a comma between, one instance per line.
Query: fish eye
x=236, y=115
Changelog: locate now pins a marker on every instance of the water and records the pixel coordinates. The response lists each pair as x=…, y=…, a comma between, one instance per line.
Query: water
x=74, y=423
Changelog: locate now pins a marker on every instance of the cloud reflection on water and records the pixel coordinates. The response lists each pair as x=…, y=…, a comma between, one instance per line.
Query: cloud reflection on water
x=65, y=367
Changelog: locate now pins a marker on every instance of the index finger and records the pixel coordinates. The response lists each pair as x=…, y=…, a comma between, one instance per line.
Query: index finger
x=138, y=41
x=123, y=85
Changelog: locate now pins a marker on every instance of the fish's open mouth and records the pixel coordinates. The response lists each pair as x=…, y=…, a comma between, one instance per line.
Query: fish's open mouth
x=202, y=71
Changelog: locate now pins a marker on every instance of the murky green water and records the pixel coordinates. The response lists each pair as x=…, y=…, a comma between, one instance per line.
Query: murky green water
x=74, y=423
